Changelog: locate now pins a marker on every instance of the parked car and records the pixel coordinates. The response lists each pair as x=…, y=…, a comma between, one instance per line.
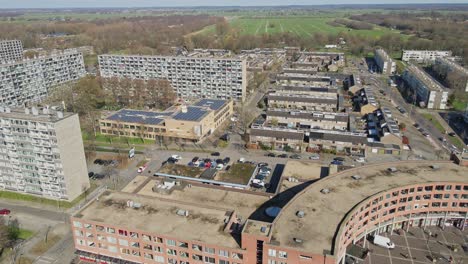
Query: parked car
x=337, y=162
x=262, y=164
x=177, y=157
x=242, y=160
x=195, y=159
x=271, y=155
x=452, y=134
x=226, y=160
x=339, y=159
x=114, y=163
x=383, y=242
x=5, y=212
x=314, y=157
x=220, y=166
x=295, y=156
x=215, y=154
x=261, y=176
x=219, y=161
x=360, y=160
x=98, y=161
x=283, y=156
x=171, y=160
x=142, y=168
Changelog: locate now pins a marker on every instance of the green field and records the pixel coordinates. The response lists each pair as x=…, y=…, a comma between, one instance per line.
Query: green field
x=301, y=26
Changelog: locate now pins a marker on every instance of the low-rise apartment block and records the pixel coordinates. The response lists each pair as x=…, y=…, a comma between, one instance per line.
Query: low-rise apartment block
x=305, y=90
x=424, y=56
x=382, y=128
x=186, y=123
x=364, y=101
x=11, y=50
x=191, y=77
x=42, y=153
x=304, y=102
x=306, y=120
x=445, y=66
x=31, y=80
x=386, y=64
x=428, y=92
x=278, y=138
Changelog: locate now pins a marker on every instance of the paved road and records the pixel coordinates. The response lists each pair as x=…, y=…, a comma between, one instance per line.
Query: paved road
x=33, y=218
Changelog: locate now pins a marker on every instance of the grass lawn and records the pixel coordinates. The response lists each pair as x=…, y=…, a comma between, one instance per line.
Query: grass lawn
x=182, y=170
x=459, y=105
x=118, y=140
x=41, y=247
x=239, y=173
x=301, y=26
x=25, y=234
x=35, y=199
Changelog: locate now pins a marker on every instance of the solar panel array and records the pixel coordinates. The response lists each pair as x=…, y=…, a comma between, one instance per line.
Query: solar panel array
x=212, y=104
x=136, y=116
x=192, y=114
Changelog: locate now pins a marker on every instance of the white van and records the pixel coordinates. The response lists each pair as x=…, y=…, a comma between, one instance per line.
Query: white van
x=383, y=242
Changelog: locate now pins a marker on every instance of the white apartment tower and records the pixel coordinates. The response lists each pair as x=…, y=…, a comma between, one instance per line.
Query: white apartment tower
x=384, y=62
x=424, y=56
x=191, y=77
x=11, y=50
x=42, y=153
x=32, y=79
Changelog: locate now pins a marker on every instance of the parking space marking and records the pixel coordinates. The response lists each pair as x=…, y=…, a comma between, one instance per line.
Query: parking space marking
x=397, y=258
x=390, y=256
x=408, y=247
x=446, y=242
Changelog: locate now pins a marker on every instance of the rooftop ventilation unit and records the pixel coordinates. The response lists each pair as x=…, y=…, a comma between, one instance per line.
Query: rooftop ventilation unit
x=325, y=191
x=356, y=177
x=263, y=229
x=182, y=212
x=297, y=240
x=300, y=214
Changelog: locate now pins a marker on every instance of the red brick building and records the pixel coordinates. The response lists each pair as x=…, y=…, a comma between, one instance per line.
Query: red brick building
x=316, y=226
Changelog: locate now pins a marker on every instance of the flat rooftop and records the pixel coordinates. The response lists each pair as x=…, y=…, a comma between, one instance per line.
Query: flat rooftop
x=213, y=104
x=244, y=204
x=324, y=212
x=30, y=114
x=202, y=223
x=304, y=170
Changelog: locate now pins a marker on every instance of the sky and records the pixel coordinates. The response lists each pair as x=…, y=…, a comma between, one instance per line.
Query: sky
x=178, y=3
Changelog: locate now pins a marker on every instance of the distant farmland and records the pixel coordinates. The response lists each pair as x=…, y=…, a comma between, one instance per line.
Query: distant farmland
x=301, y=26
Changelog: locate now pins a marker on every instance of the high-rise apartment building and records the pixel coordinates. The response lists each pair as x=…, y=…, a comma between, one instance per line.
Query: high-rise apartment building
x=422, y=56
x=42, y=153
x=428, y=92
x=11, y=50
x=445, y=66
x=32, y=79
x=384, y=62
x=191, y=77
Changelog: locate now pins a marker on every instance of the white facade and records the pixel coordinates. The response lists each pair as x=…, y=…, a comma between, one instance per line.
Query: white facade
x=421, y=56
x=384, y=62
x=31, y=79
x=11, y=50
x=190, y=77
x=42, y=154
x=429, y=93
x=447, y=66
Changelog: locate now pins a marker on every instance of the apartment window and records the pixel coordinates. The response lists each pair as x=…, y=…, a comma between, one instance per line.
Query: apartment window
x=79, y=233
x=123, y=242
x=112, y=249
x=283, y=254
x=77, y=224
x=222, y=261
x=80, y=242
x=148, y=256
x=448, y=187
x=170, y=242
x=272, y=252
x=224, y=253
x=197, y=247
x=271, y=261
x=183, y=244
x=197, y=257
x=172, y=252
x=183, y=254
x=158, y=249
x=209, y=260
x=210, y=250
x=159, y=259
x=158, y=239
x=428, y=188
x=110, y=230
x=458, y=187
x=88, y=226
x=112, y=240
x=171, y=261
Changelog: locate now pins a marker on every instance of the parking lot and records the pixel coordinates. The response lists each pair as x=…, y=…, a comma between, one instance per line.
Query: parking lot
x=417, y=246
